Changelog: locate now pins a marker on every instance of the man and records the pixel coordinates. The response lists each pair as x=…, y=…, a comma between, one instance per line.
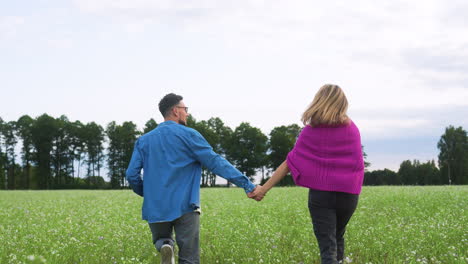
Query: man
x=171, y=157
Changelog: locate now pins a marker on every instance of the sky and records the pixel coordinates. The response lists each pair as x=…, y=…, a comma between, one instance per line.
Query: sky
x=403, y=65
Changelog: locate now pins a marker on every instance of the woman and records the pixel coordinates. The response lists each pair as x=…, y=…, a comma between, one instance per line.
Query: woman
x=327, y=159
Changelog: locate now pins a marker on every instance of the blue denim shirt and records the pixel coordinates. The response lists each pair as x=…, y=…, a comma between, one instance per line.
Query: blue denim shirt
x=171, y=157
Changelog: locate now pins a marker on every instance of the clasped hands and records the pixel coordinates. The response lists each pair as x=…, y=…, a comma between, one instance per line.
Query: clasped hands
x=258, y=193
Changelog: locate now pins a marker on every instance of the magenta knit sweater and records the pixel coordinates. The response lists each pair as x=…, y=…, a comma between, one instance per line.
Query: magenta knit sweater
x=328, y=158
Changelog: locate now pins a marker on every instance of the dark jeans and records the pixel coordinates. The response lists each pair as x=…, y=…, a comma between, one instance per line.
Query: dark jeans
x=330, y=212
x=187, y=231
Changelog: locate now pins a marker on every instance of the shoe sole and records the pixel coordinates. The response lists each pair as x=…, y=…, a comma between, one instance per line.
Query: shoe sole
x=166, y=255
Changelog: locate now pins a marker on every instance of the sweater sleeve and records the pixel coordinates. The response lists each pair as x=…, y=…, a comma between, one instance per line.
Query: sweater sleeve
x=291, y=158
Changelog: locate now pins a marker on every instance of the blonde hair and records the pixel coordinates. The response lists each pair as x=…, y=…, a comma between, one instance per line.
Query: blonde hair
x=328, y=107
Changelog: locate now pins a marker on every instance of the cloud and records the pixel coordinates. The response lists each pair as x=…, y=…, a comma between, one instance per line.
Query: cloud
x=439, y=59
x=60, y=43
x=399, y=56
x=361, y=30
x=9, y=26
x=454, y=14
x=394, y=55
x=138, y=9
x=386, y=126
x=379, y=124
x=441, y=66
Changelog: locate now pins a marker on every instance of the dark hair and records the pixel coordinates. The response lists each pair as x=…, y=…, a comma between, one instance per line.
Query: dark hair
x=167, y=102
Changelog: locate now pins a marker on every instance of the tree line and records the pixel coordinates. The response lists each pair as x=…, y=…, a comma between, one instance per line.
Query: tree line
x=452, y=167
x=56, y=153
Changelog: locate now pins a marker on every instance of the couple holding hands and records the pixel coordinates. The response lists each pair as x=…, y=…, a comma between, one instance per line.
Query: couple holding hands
x=327, y=159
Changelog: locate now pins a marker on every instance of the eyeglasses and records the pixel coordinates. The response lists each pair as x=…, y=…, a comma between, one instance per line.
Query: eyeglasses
x=185, y=108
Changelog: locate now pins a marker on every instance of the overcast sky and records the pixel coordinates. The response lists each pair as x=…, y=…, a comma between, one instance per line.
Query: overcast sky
x=402, y=64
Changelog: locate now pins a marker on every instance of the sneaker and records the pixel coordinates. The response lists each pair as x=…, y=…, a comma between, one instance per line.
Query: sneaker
x=167, y=254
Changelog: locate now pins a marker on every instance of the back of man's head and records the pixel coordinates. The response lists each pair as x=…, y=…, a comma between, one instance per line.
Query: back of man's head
x=167, y=102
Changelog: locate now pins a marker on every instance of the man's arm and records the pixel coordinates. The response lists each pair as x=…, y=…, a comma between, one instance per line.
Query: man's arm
x=133, y=174
x=204, y=153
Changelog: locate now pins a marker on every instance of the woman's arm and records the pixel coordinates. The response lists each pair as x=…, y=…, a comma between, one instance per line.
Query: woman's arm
x=277, y=176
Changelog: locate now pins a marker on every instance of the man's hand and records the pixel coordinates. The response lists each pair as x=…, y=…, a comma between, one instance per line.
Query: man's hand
x=258, y=193
x=251, y=194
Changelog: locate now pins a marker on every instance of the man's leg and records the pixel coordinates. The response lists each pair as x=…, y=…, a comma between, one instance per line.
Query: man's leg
x=187, y=229
x=323, y=216
x=162, y=234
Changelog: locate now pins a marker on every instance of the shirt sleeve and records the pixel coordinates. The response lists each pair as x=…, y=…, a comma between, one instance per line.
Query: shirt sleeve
x=204, y=153
x=133, y=173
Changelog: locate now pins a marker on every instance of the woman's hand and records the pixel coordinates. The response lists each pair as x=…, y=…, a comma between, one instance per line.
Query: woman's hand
x=258, y=193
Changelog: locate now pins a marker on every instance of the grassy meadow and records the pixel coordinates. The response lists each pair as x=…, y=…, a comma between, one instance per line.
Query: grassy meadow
x=391, y=225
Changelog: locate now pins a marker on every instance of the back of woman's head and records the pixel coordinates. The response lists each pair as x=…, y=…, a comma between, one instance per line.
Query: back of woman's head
x=328, y=107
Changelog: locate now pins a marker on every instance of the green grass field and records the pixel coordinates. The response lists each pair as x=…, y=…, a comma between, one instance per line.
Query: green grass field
x=391, y=225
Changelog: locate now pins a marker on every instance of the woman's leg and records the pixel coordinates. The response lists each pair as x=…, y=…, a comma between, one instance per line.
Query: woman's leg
x=323, y=214
x=346, y=204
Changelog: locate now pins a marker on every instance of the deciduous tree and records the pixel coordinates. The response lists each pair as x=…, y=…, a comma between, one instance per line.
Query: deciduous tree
x=453, y=156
